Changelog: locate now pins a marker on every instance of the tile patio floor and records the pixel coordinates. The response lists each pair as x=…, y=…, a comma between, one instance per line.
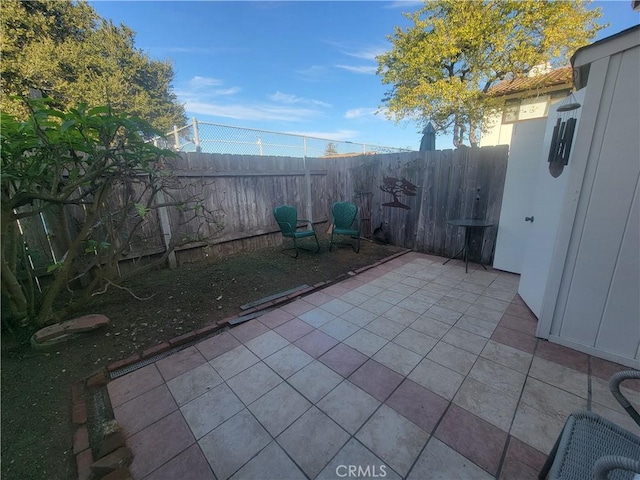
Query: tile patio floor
x=412, y=369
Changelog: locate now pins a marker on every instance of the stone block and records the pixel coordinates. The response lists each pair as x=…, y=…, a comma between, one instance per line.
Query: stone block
x=182, y=339
x=97, y=380
x=80, y=440
x=83, y=463
x=207, y=330
x=110, y=443
x=149, y=352
x=124, y=363
x=79, y=413
x=116, y=460
x=85, y=323
x=49, y=333
x=77, y=392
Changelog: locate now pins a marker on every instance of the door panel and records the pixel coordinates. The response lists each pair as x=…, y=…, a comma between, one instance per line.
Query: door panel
x=519, y=190
x=547, y=208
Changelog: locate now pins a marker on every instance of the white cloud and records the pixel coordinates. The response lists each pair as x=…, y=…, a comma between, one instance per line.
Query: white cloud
x=227, y=91
x=360, y=112
x=201, y=82
x=292, y=99
x=359, y=69
x=364, y=52
x=369, y=53
x=249, y=111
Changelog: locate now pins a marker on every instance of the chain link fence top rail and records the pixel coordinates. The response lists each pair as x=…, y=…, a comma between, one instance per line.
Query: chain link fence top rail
x=215, y=138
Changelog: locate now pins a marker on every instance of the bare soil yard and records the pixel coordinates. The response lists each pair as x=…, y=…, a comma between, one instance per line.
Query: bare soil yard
x=36, y=405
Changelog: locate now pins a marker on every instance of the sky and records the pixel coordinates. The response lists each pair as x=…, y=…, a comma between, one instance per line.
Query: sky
x=304, y=67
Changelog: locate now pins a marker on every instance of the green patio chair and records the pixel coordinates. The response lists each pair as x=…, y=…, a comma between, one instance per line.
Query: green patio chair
x=592, y=447
x=287, y=218
x=344, y=216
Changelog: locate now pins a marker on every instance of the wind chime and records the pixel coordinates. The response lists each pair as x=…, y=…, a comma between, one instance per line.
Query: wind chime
x=563, y=135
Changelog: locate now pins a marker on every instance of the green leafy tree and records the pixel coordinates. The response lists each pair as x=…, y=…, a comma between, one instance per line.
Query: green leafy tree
x=441, y=67
x=92, y=172
x=330, y=150
x=66, y=51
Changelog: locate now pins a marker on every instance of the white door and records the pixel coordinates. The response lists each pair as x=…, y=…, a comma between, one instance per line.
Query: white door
x=519, y=190
x=546, y=211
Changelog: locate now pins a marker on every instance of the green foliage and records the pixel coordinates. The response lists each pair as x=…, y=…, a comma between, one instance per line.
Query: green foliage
x=442, y=67
x=89, y=159
x=330, y=150
x=66, y=51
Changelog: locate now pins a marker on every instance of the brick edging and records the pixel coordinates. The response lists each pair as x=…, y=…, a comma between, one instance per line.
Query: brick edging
x=113, y=457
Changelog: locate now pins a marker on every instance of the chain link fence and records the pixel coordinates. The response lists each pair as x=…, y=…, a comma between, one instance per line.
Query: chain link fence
x=216, y=138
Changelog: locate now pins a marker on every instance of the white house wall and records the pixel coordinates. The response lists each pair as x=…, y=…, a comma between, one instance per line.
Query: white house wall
x=597, y=307
x=498, y=133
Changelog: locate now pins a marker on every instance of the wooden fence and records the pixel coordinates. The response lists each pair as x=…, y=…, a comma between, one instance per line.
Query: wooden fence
x=411, y=194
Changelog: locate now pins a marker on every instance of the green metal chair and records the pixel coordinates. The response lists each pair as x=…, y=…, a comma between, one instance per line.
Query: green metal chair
x=344, y=216
x=592, y=447
x=287, y=218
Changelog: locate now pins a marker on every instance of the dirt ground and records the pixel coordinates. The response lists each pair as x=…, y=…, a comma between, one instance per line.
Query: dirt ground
x=36, y=406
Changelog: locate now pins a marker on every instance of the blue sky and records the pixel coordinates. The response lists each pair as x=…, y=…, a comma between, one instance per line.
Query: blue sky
x=305, y=67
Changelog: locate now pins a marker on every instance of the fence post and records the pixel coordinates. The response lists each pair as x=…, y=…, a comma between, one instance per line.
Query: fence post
x=165, y=229
x=307, y=182
x=176, y=139
x=196, y=135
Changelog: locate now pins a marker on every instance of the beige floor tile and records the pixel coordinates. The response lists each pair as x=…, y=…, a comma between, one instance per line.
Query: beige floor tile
x=385, y=328
x=193, y=383
x=348, y=405
x=312, y=441
x=279, y=408
x=476, y=325
x=438, y=379
x=551, y=400
x=393, y=438
x=315, y=380
x=415, y=341
x=353, y=454
x=507, y=356
x=431, y=327
x=494, y=406
x=452, y=357
x=498, y=377
x=397, y=358
x=465, y=340
x=560, y=376
x=233, y=443
x=440, y=462
x=271, y=462
x=535, y=428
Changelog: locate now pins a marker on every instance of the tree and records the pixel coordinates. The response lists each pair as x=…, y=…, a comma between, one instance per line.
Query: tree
x=69, y=53
x=330, y=150
x=93, y=173
x=442, y=67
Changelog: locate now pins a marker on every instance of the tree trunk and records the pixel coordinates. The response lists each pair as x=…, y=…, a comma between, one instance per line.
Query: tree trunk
x=46, y=306
x=11, y=288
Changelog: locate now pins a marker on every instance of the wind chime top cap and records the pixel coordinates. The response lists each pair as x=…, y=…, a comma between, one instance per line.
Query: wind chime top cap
x=571, y=104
